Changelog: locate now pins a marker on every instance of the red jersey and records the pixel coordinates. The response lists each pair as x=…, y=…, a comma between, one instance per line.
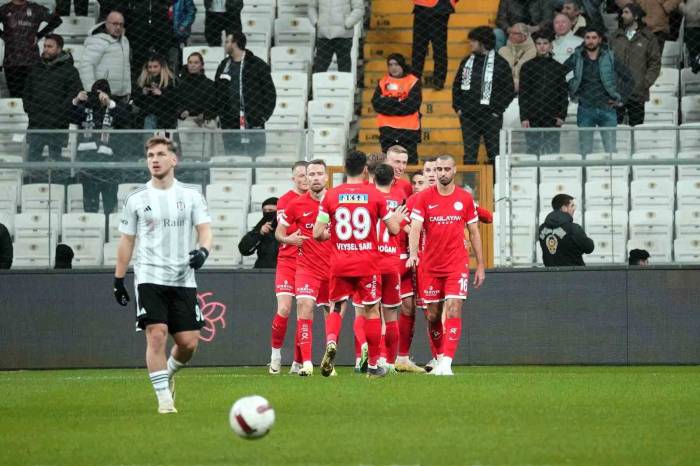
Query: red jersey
x=405, y=185
x=444, y=219
x=287, y=251
x=353, y=211
x=389, y=245
x=314, y=256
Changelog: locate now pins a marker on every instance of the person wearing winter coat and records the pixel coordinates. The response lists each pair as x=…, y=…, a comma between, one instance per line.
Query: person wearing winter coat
x=397, y=100
x=6, y=249
x=50, y=87
x=565, y=41
x=535, y=13
x=543, y=97
x=221, y=16
x=636, y=46
x=20, y=21
x=149, y=30
x=563, y=242
x=658, y=14
x=106, y=56
x=94, y=111
x=183, y=13
x=481, y=92
x=155, y=95
x=246, y=97
x=518, y=50
x=691, y=13
x=335, y=22
x=261, y=239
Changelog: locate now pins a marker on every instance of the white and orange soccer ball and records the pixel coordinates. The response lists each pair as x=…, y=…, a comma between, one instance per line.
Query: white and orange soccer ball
x=251, y=417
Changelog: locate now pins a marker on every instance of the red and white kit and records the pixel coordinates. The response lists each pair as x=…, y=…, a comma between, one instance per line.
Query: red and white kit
x=287, y=254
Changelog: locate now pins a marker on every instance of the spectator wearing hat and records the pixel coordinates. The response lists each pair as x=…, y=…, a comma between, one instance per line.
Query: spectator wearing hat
x=639, y=257
x=636, y=47
x=397, y=100
x=261, y=238
x=481, y=92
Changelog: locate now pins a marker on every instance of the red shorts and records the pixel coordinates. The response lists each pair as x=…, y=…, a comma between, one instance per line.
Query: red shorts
x=308, y=285
x=367, y=289
x=435, y=289
x=284, y=276
x=391, y=289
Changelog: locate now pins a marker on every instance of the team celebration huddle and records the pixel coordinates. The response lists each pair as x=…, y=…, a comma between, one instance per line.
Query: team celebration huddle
x=389, y=246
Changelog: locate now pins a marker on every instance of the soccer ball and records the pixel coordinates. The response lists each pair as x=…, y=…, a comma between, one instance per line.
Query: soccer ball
x=251, y=417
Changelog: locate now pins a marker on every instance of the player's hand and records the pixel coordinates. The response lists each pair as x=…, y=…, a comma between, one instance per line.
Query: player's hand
x=120, y=293
x=296, y=239
x=412, y=262
x=479, y=276
x=197, y=257
x=400, y=212
x=266, y=228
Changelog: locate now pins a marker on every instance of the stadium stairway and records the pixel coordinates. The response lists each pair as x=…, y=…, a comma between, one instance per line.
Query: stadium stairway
x=391, y=31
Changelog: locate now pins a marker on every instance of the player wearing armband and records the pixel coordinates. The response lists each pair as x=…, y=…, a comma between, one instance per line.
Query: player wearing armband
x=442, y=212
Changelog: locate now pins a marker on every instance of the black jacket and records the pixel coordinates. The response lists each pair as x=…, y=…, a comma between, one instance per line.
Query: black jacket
x=544, y=94
x=501, y=96
x=162, y=106
x=563, y=242
x=266, y=247
x=259, y=95
x=195, y=93
x=6, y=251
x=49, y=92
x=231, y=5
x=392, y=106
x=92, y=118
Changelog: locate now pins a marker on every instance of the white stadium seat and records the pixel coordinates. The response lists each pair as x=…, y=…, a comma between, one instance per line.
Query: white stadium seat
x=33, y=252
x=688, y=223
x=286, y=145
x=561, y=174
x=655, y=138
x=293, y=7
x=228, y=223
x=113, y=232
x=659, y=249
x=291, y=84
x=601, y=194
x=258, y=9
x=40, y=197
x=607, y=250
x=87, y=252
x=667, y=82
x=260, y=52
x=291, y=58
x=687, y=250
x=690, y=82
x=654, y=172
x=252, y=220
x=689, y=172
x=523, y=195
x=690, y=108
x=273, y=175
x=260, y=192
x=74, y=198
x=602, y=222
x=83, y=225
x=123, y=190
x=525, y=174
x=289, y=113
x=329, y=144
x=333, y=85
x=74, y=29
x=652, y=194
x=688, y=194
x=37, y=226
x=329, y=113
x=689, y=137
x=224, y=254
x=294, y=30
x=8, y=196
x=607, y=172
x=651, y=223
x=227, y=196
x=12, y=117
x=258, y=32
x=8, y=219
x=551, y=189
x=231, y=175
x=661, y=109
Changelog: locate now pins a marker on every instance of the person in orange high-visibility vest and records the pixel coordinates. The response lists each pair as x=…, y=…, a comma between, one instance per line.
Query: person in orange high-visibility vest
x=397, y=101
x=430, y=19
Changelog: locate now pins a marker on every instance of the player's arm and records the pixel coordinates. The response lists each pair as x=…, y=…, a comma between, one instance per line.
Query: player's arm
x=125, y=250
x=414, y=241
x=295, y=239
x=202, y=222
x=205, y=236
x=323, y=218
x=475, y=240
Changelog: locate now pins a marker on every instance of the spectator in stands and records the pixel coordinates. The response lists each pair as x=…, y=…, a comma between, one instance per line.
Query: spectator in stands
x=691, y=12
x=183, y=12
x=544, y=96
x=94, y=111
x=600, y=84
x=50, y=87
x=221, y=16
x=636, y=47
x=155, y=95
x=518, y=50
x=149, y=30
x=565, y=41
x=20, y=32
x=335, y=27
x=397, y=100
x=430, y=19
x=245, y=95
x=563, y=242
x=80, y=7
x=106, y=56
x=6, y=250
x=261, y=238
x=534, y=13
x=64, y=257
x=658, y=14
x=639, y=257
x=578, y=23
x=481, y=92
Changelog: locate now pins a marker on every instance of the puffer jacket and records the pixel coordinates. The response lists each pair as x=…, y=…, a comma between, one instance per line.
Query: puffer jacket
x=658, y=12
x=336, y=18
x=183, y=17
x=641, y=55
x=107, y=58
x=615, y=76
x=691, y=11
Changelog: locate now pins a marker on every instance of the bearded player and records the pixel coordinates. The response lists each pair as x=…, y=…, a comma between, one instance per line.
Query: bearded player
x=313, y=262
x=442, y=212
x=352, y=209
x=284, y=274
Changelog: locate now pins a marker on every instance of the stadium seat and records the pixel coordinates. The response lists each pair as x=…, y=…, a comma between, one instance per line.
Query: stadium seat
x=652, y=194
x=689, y=172
x=249, y=261
x=520, y=243
x=551, y=189
x=228, y=196
x=74, y=198
x=661, y=109
x=197, y=35
x=228, y=223
x=123, y=190
x=654, y=172
x=686, y=250
x=113, y=232
x=651, y=223
x=608, y=250
x=291, y=85
x=606, y=194
x=8, y=219
x=274, y=175
x=8, y=197
x=329, y=144
x=523, y=195
x=109, y=253
x=329, y=113
x=623, y=140
x=655, y=138
x=260, y=192
x=690, y=108
x=659, y=249
x=690, y=82
x=561, y=174
x=607, y=172
x=258, y=32
x=286, y=145
x=37, y=226
x=76, y=51
x=33, y=252
x=252, y=220
x=524, y=174
x=259, y=10
x=606, y=222
x=294, y=30
x=75, y=29
x=667, y=82
x=688, y=223
x=333, y=85
x=87, y=252
x=688, y=194
x=40, y=197
x=12, y=118
x=289, y=113
x=213, y=57
x=231, y=175
x=260, y=52
x=291, y=58
x=689, y=137
x=224, y=254
x=293, y=7
x=83, y=225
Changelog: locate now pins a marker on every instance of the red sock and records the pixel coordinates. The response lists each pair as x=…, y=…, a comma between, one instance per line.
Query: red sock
x=382, y=346
x=453, y=330
x=333, y=324
x=435, y=330
x=406, y=326
x=359, y=329
x=373, y=330
x=392, y=341
x=279, y=329
x=297, y=350
x=305, y=337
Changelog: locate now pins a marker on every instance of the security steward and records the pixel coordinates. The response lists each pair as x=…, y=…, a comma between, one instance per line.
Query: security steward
x=563, y=242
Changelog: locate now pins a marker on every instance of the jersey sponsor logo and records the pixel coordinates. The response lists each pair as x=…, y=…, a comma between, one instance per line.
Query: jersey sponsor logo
x=445, y=219
x=458, y=205
x=353, y=198
x=432, y=206
x=305, y=289
x=431, y=292
x=354, y=246
x=170, y=223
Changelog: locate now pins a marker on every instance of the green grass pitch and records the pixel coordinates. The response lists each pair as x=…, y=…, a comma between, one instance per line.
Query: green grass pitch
x=483, y=416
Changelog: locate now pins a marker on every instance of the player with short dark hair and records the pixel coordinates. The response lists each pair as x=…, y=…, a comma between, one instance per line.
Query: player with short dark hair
x=353, y=210
x=441, y=213
x=563, y=242
x=162, y=215
x=313, y=261
x=285, y=273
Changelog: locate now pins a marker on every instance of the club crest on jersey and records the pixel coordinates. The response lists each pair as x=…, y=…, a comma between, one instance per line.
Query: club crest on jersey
x=353, y=198
x=180, y=205
x=458, y=205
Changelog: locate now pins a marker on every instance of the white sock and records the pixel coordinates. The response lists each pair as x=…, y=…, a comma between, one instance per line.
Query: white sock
x=276, y=353
x=372, y=367
x=357, y=362
x=159, y=379
x=173, y=366
x=403, y=359
x=446, y=361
